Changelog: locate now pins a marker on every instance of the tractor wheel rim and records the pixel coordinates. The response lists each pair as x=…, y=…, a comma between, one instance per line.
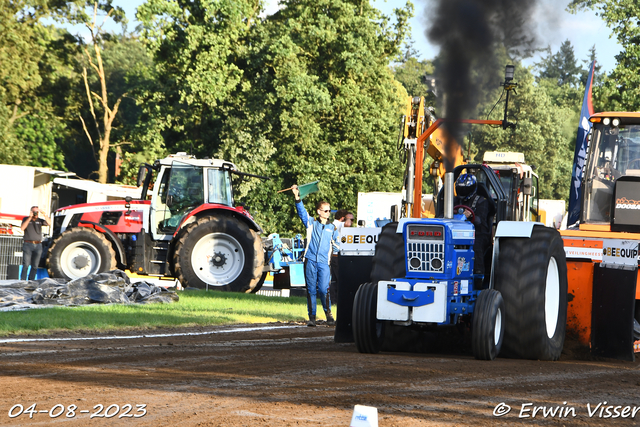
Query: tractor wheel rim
x=207, y=255
x=552, y=298
x=497, y=328
x=80, y=259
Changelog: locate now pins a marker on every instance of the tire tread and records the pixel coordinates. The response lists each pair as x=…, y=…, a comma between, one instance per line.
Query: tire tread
x=520, y=277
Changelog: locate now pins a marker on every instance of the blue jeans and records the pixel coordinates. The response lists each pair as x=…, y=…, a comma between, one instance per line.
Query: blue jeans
x=317, y=276
x=31, y=253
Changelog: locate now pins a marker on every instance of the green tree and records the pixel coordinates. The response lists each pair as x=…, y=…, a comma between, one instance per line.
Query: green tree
x=561, y=66
x=32, y=58
x=197, y=48
x=103, y=112
x=545, y=132
x=330, y=100
x=598, y=75
x=301, y=95
x=621, y=89
x=559, y=76
x=416, y=77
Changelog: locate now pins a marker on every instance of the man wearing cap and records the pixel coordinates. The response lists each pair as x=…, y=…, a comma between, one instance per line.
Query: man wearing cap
x=32, y=246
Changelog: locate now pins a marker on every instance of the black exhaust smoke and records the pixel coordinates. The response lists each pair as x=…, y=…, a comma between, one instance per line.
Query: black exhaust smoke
x=468, y=32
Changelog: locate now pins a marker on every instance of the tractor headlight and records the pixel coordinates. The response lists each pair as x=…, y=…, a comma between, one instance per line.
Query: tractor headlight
x=606, y=121
x=615, y=122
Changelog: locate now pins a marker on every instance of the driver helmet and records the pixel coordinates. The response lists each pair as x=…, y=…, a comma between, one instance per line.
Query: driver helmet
x=466, y=186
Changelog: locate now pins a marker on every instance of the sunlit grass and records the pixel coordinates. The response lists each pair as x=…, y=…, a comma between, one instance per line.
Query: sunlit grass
x=195, y=308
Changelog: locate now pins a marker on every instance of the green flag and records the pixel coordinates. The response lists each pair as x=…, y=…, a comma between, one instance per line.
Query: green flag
x=309, y=188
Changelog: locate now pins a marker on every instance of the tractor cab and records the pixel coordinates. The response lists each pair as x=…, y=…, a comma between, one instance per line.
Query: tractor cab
x=180, y=188
x=519, y=181
x=612, y=173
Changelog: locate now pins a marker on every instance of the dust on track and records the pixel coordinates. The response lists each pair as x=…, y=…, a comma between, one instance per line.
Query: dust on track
x=296, y=376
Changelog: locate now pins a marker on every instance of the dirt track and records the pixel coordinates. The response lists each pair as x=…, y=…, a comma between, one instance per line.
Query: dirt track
x=297, y=376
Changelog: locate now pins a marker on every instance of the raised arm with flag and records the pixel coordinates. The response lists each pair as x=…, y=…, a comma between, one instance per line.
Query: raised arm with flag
x=575, y=192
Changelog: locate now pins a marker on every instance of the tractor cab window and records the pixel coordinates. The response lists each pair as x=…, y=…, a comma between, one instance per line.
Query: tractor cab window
x=482, y=179
x=162, y=187
x=615, y=152
x=533, y=210
x=506, y=179
x=219, y=187
x=184, y=191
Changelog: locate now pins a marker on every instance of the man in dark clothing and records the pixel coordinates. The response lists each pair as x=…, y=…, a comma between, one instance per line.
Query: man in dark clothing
x=32, y=245
x=467, y=195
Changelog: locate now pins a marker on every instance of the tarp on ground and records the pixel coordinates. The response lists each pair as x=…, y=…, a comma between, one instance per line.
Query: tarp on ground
x=113, y=287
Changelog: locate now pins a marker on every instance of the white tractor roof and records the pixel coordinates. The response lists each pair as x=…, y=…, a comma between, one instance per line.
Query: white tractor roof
x=191, y=160
x=502, y=157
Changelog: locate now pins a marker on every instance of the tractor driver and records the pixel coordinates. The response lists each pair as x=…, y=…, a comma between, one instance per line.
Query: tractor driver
x=467, y=195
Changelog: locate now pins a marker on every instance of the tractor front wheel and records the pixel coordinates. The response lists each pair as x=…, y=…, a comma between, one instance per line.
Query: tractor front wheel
x=368, y=332
x=80, y=252
x=220, y=253
x=488, y=325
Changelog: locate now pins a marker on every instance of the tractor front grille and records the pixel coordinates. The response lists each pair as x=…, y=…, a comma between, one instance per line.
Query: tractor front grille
x=425, y=257
x=425, y=248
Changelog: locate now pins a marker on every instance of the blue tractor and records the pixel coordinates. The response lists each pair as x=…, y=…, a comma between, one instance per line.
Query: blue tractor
x=422, y=273
x=423, y=276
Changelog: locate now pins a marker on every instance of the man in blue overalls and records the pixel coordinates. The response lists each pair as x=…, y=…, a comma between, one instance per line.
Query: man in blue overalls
x=322, y=236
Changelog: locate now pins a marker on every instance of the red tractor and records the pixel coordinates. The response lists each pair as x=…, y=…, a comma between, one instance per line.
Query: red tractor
x=190, y=229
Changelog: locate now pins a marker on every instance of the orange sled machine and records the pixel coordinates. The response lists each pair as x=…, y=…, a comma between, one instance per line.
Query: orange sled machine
x=602, y=246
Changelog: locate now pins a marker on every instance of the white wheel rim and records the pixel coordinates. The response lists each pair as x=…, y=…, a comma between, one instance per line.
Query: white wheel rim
x=552, y=298
x=217, y=259
x=498, y=328
x=80, y=259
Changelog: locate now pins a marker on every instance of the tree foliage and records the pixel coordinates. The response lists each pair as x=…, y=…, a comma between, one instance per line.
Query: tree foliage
x=311, y=92
x=621, y=89
x=330, y=100
x=416, y=77
x=561, y=66
x=304, y=94
x=544, y=133
x=33, y=61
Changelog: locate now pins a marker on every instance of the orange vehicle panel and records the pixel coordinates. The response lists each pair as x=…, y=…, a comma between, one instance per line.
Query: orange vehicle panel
x=588, y=244
x=580, y=281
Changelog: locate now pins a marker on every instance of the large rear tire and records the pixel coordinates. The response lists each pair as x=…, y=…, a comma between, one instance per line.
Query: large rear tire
x=388, y=260
x=368, y=332
x=488, y=325
x=387, y=264
x=220, y=253
x=531, y=275
x=80, y=252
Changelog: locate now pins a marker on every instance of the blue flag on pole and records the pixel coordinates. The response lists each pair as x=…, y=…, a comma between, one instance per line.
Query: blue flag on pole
x=575, y=193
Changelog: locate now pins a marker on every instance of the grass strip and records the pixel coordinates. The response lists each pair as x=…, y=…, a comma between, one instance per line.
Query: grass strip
x=195, y=308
